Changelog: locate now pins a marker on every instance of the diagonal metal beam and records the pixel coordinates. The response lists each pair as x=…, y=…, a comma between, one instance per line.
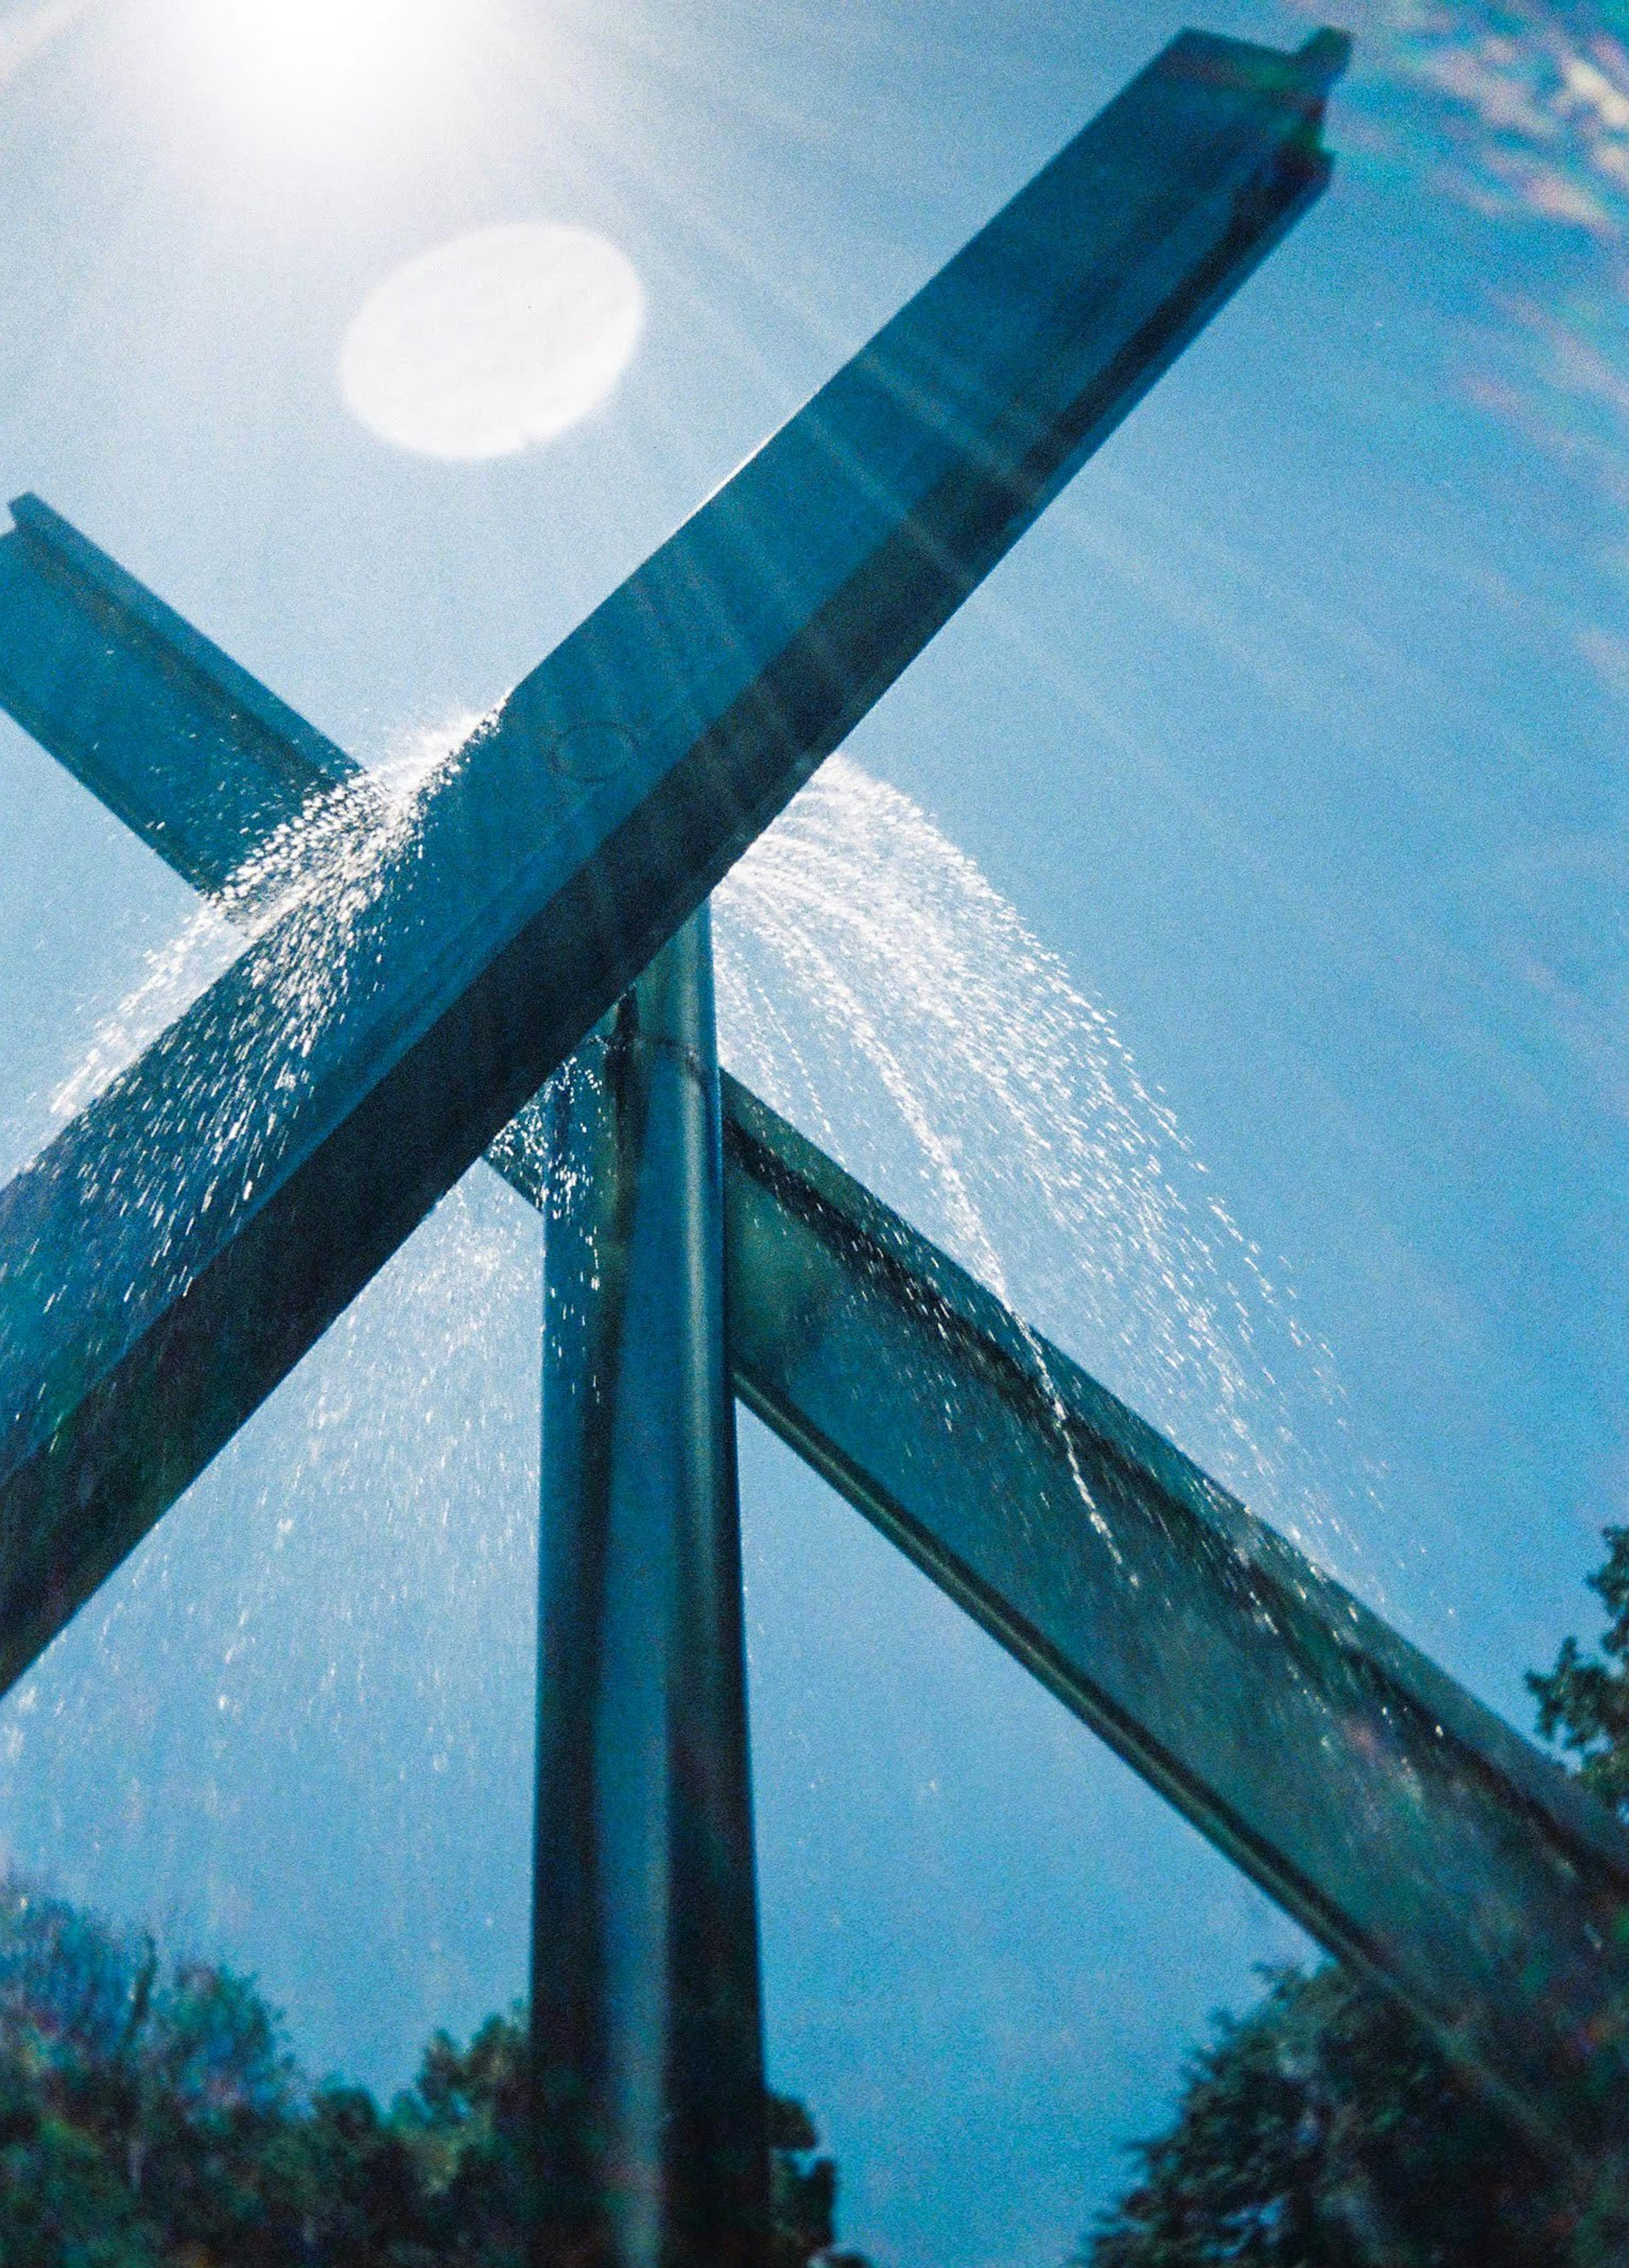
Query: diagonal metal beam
x=195, y=756
x=170, y=1257
x=1407, y=1827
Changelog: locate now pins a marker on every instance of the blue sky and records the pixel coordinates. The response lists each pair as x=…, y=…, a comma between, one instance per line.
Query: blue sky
x=1296, y=731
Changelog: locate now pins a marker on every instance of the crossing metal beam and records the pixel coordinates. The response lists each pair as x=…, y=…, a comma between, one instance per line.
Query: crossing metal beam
x=197, y=756
x=1408, y=1828
x=170, y=1257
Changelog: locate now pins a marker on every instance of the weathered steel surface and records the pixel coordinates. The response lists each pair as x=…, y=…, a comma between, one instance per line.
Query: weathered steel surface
x=647, y=2045
x=1408, y=1828
x=178, y=1247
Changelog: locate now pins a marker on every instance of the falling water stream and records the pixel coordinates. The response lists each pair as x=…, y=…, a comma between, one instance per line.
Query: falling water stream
x=880, y=993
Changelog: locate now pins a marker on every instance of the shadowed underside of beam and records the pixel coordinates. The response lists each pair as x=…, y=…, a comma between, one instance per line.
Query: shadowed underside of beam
x=1407, y=1827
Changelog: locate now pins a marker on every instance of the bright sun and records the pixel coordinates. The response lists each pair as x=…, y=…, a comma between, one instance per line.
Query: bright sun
x=493, y=341
x=290, y=56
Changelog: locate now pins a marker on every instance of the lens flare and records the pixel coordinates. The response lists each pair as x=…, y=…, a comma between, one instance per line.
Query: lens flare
x=493, y=341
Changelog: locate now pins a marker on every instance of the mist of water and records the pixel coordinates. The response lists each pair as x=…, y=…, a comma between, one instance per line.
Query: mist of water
x=880, y=993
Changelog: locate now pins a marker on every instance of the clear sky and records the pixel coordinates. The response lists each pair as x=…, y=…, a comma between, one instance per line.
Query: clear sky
x=1295, y=732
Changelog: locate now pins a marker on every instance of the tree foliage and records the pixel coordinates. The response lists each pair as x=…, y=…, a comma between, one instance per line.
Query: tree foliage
x=1326, y=2130
x=1584, y=1704
x=152, y=2117
x=1323, y=2130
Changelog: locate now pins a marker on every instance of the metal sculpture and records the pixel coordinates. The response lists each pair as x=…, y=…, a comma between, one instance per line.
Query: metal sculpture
x=1409, y=1829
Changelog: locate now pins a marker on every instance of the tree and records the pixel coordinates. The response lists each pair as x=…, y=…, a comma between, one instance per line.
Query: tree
x=141, y=2105
x=1585, y=1705
x=152, y=2117
x=1326, y=2130
x=803, y=2194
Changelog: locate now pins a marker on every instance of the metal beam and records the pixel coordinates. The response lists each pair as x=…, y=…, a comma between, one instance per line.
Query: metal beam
x=647, y=2046
x=1409, y=1829
x=195, y=756
x=170, y=1257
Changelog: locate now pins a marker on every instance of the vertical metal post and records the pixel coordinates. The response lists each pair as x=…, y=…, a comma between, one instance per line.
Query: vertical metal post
x=647, y=2050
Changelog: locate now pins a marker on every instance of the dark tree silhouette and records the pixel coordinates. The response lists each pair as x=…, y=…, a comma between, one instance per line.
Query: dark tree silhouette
x=1584, y=1704
x=152, y=2117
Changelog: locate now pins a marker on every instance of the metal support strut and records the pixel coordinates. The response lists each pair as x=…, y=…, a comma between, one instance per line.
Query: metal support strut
x=647, y=2052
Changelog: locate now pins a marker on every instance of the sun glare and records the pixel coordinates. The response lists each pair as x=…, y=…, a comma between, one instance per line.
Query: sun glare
x=287, y=57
